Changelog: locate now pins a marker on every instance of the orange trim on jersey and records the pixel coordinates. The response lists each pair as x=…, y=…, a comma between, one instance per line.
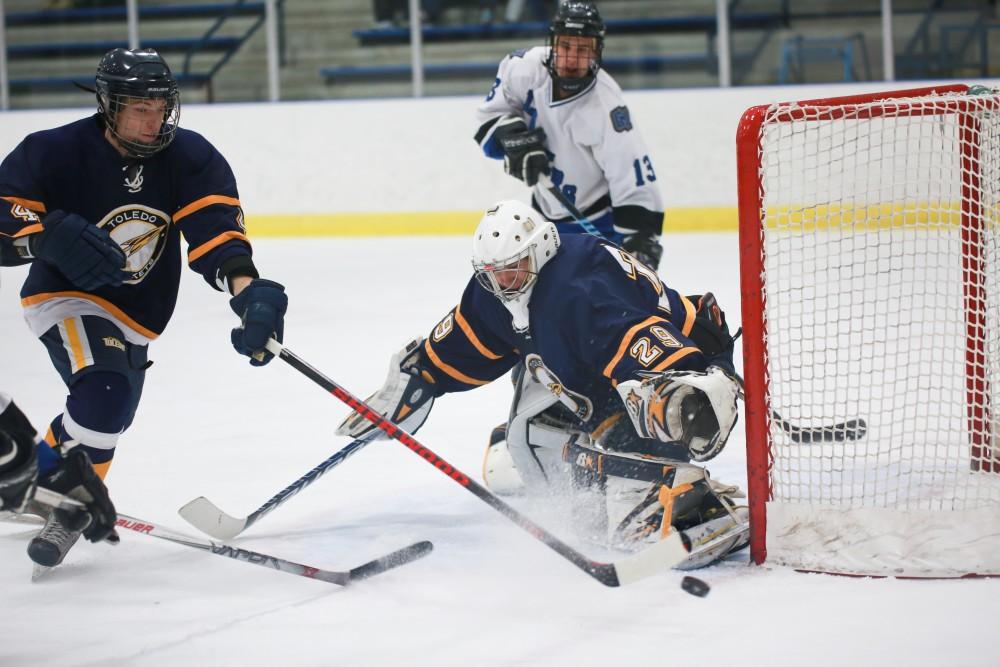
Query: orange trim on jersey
x=689, y=318
x=50, y=438
x=673, y=358
x=102, y=469
x=450, y=370
x=30, y=229
x=29, y=204
x=74, y=343
x=117, y=312
x=199, y=204
x=629, y=335
x=463, y=324
x=209, y=246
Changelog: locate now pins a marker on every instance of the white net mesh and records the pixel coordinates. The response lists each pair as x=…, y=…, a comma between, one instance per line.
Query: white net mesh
x=881, y=242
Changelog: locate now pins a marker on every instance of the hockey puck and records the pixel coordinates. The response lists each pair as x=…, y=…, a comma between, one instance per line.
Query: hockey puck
x=695, y=586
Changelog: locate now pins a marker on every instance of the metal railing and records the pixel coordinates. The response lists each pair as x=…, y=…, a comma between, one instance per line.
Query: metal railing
x=272, y=17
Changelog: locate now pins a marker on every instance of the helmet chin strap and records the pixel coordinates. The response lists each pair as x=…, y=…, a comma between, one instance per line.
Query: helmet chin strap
x=573, y=85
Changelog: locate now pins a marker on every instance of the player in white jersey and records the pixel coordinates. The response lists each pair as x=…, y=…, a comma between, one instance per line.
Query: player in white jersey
x=553, y=111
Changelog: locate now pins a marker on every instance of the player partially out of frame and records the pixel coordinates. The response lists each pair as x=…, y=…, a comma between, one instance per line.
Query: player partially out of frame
x=622, y=383
x=72, y=476
x=98, y=208
x=554, y=113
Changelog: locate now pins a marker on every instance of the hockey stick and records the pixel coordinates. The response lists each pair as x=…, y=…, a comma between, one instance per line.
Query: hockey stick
x=369, y=569
x=143, y=527
x=206, y=516
x=663, y=555
x=574, y=212
x=852, y=429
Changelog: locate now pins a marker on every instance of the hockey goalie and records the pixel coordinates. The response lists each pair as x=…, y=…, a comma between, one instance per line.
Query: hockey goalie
x=621, y=384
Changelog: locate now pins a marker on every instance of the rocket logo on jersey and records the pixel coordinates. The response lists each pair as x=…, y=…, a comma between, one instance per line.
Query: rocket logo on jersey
x=141, y=232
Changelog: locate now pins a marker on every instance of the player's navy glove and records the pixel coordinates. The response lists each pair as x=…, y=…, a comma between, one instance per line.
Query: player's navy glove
x=75, y=477
x=84, y=253
x=261, y=307
x=18, y=464
x=645, y=247
x=524, y=150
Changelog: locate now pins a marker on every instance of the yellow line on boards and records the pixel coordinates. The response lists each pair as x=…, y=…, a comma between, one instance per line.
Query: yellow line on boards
x=447, y=223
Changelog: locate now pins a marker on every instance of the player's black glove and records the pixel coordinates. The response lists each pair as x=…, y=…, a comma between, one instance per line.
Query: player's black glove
x=261, y=307
x=645, y=247
x=524, y=150
x=84, y=253
x=75, y=477
x=18, y=471
x=18, y=464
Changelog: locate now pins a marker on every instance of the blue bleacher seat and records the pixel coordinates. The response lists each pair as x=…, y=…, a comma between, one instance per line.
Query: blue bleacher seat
x=97, y=14
x=655, y=63
x=492, y=31
x=69, y=49
x=69, y=82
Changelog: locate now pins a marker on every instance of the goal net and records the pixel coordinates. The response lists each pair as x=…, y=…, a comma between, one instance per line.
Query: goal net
x=870, y=263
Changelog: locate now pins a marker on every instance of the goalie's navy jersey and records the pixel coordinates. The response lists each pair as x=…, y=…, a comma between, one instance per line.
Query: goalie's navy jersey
x=597, y=317
x=186, y=189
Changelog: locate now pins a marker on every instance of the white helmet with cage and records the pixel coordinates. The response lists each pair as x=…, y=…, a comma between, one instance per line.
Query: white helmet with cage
x=511, y=245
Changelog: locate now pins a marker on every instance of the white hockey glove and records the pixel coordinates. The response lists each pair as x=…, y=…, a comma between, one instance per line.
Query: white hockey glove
x=405, y=398
x=696, y=409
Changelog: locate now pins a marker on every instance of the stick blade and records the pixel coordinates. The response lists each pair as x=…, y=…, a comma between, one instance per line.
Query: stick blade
x=390, y=561
x=204, y=515
x=663, y=555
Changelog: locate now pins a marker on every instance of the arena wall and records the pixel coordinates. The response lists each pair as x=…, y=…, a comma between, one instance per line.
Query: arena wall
x=405, y=166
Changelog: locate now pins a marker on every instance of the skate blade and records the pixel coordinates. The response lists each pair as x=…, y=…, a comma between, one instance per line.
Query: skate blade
x=39, y=572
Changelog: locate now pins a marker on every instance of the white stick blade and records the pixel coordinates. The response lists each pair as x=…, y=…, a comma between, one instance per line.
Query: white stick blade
x=203, y=514
x=663, y=555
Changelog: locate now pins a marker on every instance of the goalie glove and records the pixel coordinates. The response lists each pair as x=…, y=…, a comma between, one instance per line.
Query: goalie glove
x=693, y=408
x=405, y=398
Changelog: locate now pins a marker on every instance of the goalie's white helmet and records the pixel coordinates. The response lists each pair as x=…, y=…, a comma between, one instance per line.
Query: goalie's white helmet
x=511, y=245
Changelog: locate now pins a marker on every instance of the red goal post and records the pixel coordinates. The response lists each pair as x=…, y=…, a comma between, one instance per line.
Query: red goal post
x=870, y=255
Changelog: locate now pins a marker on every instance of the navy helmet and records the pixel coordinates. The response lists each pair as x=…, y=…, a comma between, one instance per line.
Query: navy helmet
x=125, y=75
x=580, y=19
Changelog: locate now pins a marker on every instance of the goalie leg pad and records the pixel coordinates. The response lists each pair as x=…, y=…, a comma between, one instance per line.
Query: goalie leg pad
x=535, y=436
x=647, y=498
x=717, y=538
x=690, y=407
x=499, y=472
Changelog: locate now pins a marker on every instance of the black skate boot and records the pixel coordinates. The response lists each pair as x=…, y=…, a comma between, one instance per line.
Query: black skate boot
x=50, y=546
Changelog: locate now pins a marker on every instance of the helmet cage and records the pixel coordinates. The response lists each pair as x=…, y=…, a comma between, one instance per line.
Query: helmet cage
x=487, y=274
x=576, y=19
x=111, y=104
x=124, y=77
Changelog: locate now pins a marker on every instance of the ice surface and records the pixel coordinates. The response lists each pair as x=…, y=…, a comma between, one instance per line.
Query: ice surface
x=209, y=424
